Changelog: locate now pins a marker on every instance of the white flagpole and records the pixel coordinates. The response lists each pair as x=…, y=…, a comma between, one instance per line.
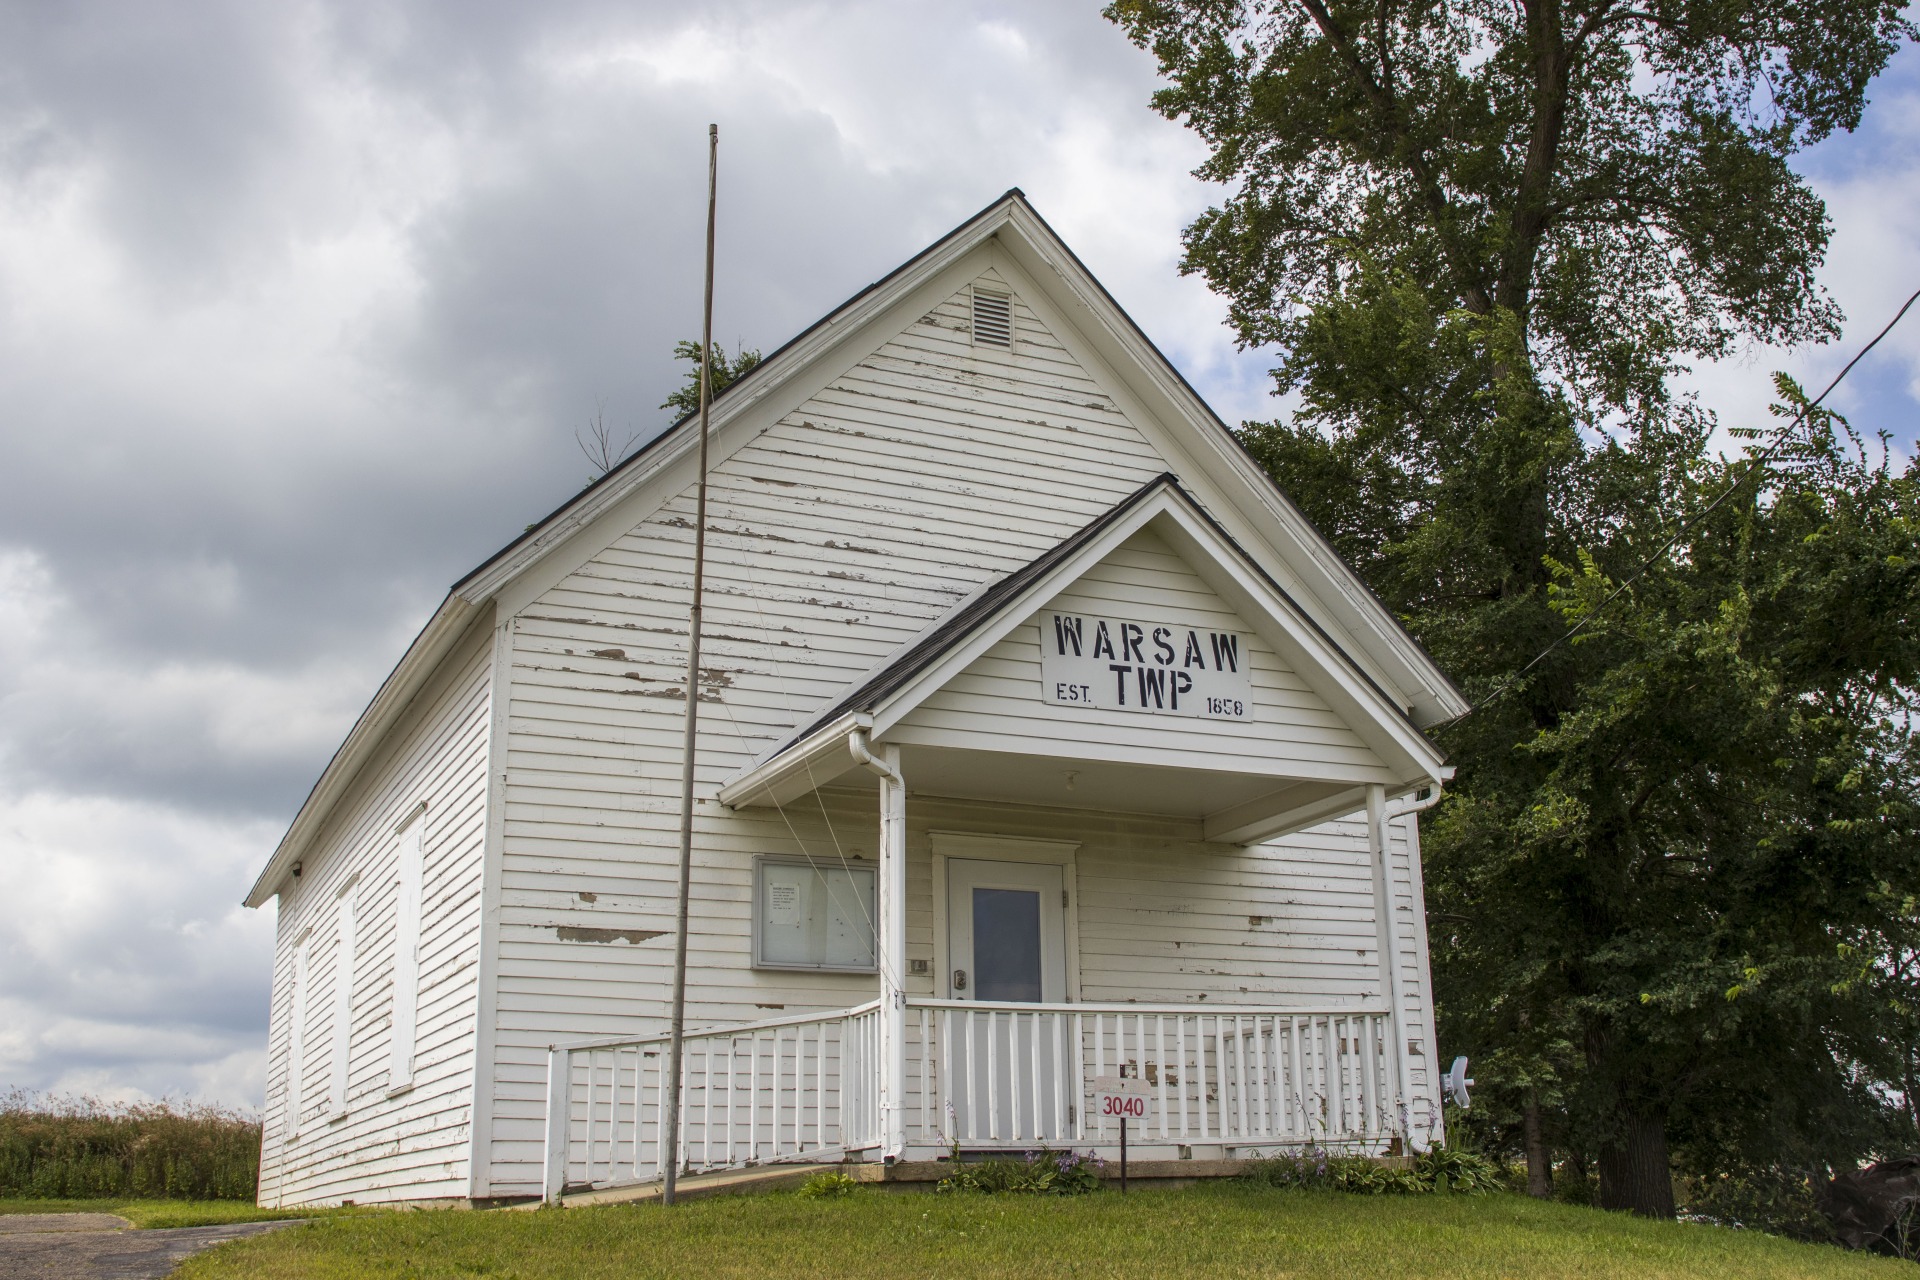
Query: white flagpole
x=670, y=1140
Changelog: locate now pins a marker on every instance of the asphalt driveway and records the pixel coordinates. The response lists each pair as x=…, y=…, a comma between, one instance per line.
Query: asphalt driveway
x=100, y=1246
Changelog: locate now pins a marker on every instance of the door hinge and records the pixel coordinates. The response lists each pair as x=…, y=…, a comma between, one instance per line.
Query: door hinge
x=1063, y=899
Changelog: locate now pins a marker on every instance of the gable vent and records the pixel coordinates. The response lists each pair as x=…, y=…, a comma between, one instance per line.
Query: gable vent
x=992, y=319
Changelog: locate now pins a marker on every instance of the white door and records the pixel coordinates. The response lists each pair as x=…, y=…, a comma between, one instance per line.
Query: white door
x=1007, y=944
x=1007, y=931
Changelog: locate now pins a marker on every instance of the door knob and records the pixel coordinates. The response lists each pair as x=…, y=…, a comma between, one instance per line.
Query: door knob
x=959, y=979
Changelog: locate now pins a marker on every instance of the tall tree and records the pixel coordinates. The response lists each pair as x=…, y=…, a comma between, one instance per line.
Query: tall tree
x=1484, y=235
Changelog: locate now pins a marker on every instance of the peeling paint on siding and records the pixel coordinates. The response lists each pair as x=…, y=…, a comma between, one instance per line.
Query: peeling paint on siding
x=577, y=933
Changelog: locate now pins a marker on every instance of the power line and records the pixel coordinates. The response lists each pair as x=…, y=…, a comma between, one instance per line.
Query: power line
x=1752, y=469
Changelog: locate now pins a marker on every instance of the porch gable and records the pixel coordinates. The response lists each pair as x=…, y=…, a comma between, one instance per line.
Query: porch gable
x=970, y=690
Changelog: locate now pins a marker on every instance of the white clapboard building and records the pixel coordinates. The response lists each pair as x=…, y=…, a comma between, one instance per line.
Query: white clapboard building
x=1041, y=738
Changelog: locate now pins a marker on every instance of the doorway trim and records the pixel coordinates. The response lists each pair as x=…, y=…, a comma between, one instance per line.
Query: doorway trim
x=988, y=848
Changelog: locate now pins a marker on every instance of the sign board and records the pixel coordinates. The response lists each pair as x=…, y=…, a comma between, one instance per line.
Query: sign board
x=1121, y=1097
x=1122, y=664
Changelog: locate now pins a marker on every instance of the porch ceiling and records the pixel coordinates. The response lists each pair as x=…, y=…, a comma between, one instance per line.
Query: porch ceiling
x=1233, y=807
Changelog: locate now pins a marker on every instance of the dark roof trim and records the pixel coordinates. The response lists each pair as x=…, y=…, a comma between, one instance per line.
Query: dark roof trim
x=758, y=371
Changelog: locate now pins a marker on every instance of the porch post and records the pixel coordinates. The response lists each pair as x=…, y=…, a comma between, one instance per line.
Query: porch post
x=1380, y=849
x=893, y=955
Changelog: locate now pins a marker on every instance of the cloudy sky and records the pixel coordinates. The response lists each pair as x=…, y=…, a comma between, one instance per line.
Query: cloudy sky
x=302, y=306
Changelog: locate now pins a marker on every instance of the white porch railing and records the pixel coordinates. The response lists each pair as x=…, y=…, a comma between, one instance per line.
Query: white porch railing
x=981, y=1076
x=1012, y=1075
x=801, y=1088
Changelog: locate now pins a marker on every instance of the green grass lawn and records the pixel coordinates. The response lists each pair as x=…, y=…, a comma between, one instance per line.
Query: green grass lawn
x=1204, y=1231
x=164, y=1213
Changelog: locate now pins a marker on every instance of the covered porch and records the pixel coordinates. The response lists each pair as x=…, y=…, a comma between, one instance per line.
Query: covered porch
x=932, y=1065
x=1143, y=680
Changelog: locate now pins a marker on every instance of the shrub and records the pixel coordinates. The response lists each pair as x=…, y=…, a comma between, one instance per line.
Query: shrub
x=828, y=1184
x=1779, y=1202
x=1451, y=1169
x=1044, y=1172
x=78, y=1148
x=1442, y=1169
x=1571, y=1185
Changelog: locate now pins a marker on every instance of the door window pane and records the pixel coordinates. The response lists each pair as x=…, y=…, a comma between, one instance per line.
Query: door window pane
x=1006, y=944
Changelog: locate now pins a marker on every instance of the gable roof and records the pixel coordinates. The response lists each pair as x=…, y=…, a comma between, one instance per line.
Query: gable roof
x=925, y=664
x=1330, y=594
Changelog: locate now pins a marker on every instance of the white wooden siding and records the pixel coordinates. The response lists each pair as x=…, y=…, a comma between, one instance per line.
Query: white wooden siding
x=412, y=1146
x=845, y=529
x=996, y=703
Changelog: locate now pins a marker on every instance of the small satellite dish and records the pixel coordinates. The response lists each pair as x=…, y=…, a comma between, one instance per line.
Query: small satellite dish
x=1456, y=1083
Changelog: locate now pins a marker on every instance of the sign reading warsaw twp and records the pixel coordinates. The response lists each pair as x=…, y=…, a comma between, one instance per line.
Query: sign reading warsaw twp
x=1114, y=664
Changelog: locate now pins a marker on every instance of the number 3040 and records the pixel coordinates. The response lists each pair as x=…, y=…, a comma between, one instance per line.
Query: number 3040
x=1125, y=1108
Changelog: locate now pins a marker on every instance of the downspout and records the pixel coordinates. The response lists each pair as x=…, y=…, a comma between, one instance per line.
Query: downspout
x=1419, y=804
x=892, y=942
x=1396, y=996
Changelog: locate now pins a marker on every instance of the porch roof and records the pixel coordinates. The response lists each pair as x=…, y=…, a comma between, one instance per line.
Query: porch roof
x=1241, y=805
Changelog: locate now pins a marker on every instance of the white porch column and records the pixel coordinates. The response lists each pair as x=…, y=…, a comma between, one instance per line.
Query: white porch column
x=1380, y=849
x=893, y=955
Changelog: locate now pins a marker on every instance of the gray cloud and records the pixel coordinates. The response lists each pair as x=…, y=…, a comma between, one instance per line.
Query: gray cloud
x=300, y=308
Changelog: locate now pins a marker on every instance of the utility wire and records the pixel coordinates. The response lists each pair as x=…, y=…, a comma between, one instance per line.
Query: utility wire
x=1753, y=468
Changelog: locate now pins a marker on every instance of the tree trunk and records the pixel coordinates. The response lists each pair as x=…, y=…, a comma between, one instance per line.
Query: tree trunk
x=1634, y=1170
x=1539, y=1167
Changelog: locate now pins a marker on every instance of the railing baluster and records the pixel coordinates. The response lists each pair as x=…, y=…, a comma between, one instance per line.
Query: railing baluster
x=948, y=1098
x=1341, y=1075
x=972, y=1023
x=993, y=1075
x=1099, y=1064
x=1220, y=1075
x=926, y=1062
x=1369, y=1081
x=1160, y=1070
x=820, y=1092
x=1262, y=1096
x=1293, y=1094
x=1033, y=1085
x=1061, y=1125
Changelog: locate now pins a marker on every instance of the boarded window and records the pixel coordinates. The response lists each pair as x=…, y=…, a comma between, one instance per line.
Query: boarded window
x=340, y=1059
x=406, y=955
x=810, y=915
x=296, y=1037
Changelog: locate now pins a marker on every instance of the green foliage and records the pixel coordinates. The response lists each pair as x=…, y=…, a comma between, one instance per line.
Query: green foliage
x=1618, y=176
x=1043, y=1173
x=1672, y=887
x=1442, y=1170
x=1777, y=1201
x=828, y=1184
x=81, y=1148
x=725, y=371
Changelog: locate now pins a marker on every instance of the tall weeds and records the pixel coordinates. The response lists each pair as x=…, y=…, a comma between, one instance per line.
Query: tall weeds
x=61, y=1147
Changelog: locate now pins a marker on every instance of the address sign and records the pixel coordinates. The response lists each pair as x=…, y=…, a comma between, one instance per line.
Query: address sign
x=1120, y=664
